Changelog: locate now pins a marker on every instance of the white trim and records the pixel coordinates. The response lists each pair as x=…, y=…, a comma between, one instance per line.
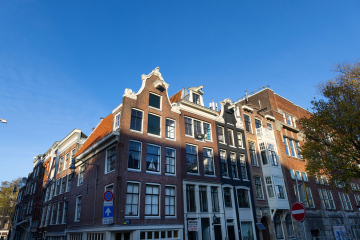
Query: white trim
x=134, y=169
x=174, y=129
x=159, y=202
x=270, y=118
x=117, y=108
x=247, y=108
x=142, y=121
x=138, y=204
x=159, y=163
x=76, y=208
x=155, y=94
x=106, y=159
x=166, y=173
x=115, y=119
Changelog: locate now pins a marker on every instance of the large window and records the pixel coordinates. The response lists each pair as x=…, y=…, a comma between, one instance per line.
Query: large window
x=243, y=198
x=63, y=185
x=269, y=187
x=170, y=160
x=68, y=184
x=188, y=126
x=247, y=123
x=81, y=175
x=65, y=213
x=136, y=120
x=234, y=168
x=78, y=208
x=229, y=116
x=153, y=158
x=117, y=121
x=153, y=124
x=292, y=147
x=190, y=198
x=191, y=159
x=215, y=199
x=230, y=137
x=208, y=161
x=227, y=197
x=243, y=167
x=134, y=155
x=170, y=129
x=223, y=161
x=154, y=101
x=345, y=201
x=152, y=200
x=286, y=146
x=53, y=214
x=252, y=151
x=263, y=153
x=220, y=134
x=132, y=199
x=279, y=187
x=197, y=127
x=169, y=201
x=257, y=123
x=207, y=131
x=203, y=198
x=258, y=187
x=110, y=159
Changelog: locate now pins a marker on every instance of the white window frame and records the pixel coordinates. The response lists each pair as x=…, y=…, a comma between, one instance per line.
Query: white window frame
x=255, y=154
x=159, y=163
x=117, y=121
x=262, y=192
x=308, y=189
x=160, y=101
x=159, y=201
x=292, y=174
x=197, y=159
x=305, y=176
x=343, y=195
x=225, y=164
x=240, y=140
x=242, y=160
x=109, y=185
x=169, y=173
x=236, y=165
x=201, y=128
x=142, y=121
x=170, y=216
x=167, y=131
x=251, y=129
x=140, y=160
x=223, y=134
x=76, y=218
x=66, y=162
x=64, y=210
x=81, y=177
x=58, y=212
x=147, y=130
x=67, y=183
x=298, y=175
x=212, y=160
x=138, y=202
x=229, y=130
x=106, y=159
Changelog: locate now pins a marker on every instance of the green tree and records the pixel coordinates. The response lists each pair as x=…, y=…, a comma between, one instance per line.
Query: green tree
x=8, y=197
x=332, y=131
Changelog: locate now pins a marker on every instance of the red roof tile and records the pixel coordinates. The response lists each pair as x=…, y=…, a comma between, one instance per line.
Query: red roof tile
x=103, y=129
x=176, y=97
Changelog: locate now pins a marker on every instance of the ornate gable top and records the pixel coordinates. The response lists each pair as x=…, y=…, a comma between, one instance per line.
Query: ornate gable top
x=197, y=89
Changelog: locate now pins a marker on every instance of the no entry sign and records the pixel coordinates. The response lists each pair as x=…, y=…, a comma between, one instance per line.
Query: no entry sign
x=108, y=196
x=298, y=211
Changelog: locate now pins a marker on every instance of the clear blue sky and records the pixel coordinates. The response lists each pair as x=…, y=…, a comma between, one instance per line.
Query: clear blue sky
x=65, y=64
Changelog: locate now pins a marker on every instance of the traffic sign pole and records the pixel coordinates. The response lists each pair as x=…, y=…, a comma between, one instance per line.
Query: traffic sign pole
x=298, y=195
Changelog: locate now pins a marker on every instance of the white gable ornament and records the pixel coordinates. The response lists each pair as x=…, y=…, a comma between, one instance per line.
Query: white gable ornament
x=130, y=94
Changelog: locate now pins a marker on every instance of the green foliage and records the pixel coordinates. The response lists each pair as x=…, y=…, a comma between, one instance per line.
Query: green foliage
x=332, y=145
x=8, y=197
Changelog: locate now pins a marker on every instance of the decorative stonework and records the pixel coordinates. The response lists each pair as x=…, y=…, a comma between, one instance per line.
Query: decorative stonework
x=155, y=72
x=160, y=82
x=239, y=122
x=175, y=108
x=130, y=94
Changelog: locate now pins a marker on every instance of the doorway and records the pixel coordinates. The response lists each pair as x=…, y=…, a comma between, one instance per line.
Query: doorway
x=266, y=231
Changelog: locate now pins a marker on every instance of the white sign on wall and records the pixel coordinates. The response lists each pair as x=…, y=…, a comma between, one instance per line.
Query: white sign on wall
x=193, y=225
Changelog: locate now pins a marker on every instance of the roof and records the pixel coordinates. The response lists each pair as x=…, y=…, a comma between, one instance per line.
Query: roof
x=103, y=129
x=176, y=97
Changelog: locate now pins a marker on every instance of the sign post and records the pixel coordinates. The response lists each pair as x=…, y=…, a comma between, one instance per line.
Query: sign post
x=108, y=208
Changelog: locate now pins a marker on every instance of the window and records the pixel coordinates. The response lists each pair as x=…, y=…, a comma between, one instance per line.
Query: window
x=78, y=208
x=153, y=124
x=47, y=215
x=269, y=126
x=190, y=198
x=153, y=158
x=229, y=116
x=196, y=98
x=234, y=168
x=331, y=200
x=197, y=127
x=223, y=162
x=68, y=184
x=66, y=161
x=292, y=147
x=230, y=137
x=240, y=140
x=65, y=213
x=170, y=129
x=207, y=131
x=208, y=161
x=136, y=120
x=297, y=144
x=203, y=199
x=286, y=146
x=258, y=188
x=247, y=231
x=263, y=153
x=326, y=199
x=59, y=213
x=134, y=155
x=191, y=159
x=188, y=126
x=298, y=175
x=243, y=167
x=60, y=165
x=247, y=123
x=117, y=121
x=152, y=200
x=132, y=199
x=169, y=201
x=227, y=197
x=304, y=174
x=288, y=119
x=345, y=201
x=292, y=174
x=357, y=199
x=243, y=198
x=279, y=187
x=53, y=214
x=309, y=197
x=57, y=189
x=278, y=228
x=63, y=185
x=257, y=123
x=220, y=134
x=215, y=199
x=110, y=160
x=154, y=101
x=252, y=151
x=73, y=153
x=170, y=160
x=273, y=156
x=81, y=175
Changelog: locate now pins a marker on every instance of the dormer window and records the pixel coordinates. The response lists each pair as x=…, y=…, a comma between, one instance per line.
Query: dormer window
x=154, y=101
x=117, y=121
x=196, y=98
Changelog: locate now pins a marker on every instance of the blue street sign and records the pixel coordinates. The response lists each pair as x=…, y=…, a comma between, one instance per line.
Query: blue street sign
x=108, y=211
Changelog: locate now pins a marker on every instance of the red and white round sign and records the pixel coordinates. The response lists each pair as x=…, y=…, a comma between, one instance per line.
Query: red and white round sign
x=298, y=211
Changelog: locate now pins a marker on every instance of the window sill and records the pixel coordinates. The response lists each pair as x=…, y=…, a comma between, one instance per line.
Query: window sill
x=132, y=217
x=170, y=139
x=196, y=174
x=134, y=170
x=206, y=175
x=154, y=135
x=261, y=199
x=152, y=172
x=134, y=131
x=170, y=174
x=170, y=217
x=109, y=172
x=155, y=108
x=152, y=217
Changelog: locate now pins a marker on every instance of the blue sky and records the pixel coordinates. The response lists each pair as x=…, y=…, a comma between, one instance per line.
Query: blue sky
x=65, y=64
